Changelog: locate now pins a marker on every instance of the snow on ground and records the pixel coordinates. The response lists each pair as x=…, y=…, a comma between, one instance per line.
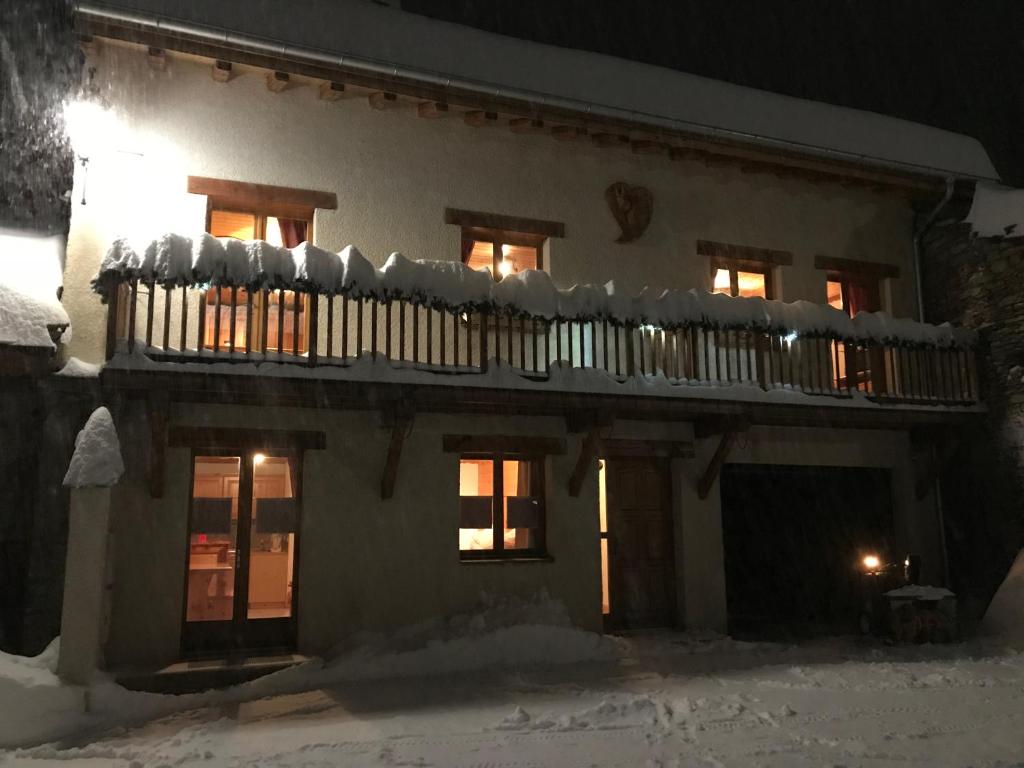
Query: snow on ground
x=1005, y=615
x=662, y=699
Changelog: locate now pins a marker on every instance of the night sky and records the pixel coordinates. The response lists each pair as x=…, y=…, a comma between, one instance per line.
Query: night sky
x=955, y=64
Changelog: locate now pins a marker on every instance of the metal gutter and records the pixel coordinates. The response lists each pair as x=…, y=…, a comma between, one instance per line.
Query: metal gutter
x=379, y=67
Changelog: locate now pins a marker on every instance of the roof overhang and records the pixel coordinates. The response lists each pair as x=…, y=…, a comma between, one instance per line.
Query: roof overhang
x=379, y=48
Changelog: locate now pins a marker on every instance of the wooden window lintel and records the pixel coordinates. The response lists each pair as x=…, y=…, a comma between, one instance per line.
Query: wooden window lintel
x=227, y=437
x=856, y=267
x=504, y=444
x=744, y=253
x=464, y=218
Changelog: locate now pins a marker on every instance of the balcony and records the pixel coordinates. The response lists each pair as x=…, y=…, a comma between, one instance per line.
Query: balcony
x=257, y=309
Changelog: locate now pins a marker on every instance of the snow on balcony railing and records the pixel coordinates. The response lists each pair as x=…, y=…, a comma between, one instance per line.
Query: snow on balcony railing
x=252, y=301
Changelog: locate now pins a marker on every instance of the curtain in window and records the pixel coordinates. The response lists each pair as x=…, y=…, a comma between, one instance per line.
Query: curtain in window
x=861, y=297
x=293, y=232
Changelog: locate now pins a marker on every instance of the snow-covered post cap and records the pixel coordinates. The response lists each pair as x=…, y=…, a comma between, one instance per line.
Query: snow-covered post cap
x=96, y=462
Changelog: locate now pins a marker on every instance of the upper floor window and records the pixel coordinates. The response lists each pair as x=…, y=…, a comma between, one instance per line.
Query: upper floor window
x=854, y=286
x=503, y=245
x=274, y=321
x=739, y=270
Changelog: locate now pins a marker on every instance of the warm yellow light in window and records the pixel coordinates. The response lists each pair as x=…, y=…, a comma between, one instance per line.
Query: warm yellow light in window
x=505, y=249
x=751, y=284
x=722, y=284
x=506, y=267
x=835, y=293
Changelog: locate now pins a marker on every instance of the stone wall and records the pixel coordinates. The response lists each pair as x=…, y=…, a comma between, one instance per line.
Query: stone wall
x=979, y=283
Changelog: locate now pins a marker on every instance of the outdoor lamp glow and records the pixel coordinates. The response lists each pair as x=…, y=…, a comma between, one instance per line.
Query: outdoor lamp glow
x=505, y=267
x=89, y=125
x=871, y=562
x=258, y=458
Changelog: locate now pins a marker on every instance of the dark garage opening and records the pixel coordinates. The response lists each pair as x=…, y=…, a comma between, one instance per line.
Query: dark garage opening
x=793, y=539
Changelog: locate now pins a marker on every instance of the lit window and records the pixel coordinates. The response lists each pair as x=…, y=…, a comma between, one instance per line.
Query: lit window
x=738, y=278
x=602, y=499
x=853, y=293
x=275, y=325
x=501, y=506
x=500, y=252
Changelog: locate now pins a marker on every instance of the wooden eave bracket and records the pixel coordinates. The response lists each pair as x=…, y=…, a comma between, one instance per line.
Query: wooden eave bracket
x=936, y=459
x=589, y=448
x=400, y=422
x=710, y=475
x=157, y=412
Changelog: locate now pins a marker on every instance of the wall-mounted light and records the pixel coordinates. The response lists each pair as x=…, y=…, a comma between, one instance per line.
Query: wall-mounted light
x=790, y=337
x=90, y=127
x=506, y=267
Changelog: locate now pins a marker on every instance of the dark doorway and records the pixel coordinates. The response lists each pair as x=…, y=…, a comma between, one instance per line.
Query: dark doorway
x=793, y=540
x=641, y=559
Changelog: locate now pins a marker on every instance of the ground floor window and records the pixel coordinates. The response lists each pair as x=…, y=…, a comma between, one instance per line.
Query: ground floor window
x=501, y=506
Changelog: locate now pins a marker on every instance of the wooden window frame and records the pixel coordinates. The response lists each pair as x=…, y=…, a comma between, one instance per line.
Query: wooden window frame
x=497, y=238
x=744, y=258
x=735, y=266
x=539, y=481
x=500, y=230
x=262, y=201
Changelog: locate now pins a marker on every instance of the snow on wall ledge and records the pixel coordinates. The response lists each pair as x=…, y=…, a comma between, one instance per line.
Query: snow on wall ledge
x=177, y=260
x=96, y=462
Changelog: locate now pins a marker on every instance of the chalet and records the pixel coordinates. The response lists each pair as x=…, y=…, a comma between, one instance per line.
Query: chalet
x=394, y=312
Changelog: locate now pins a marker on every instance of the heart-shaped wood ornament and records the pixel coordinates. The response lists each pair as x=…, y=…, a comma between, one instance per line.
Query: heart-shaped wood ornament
x=632, y=208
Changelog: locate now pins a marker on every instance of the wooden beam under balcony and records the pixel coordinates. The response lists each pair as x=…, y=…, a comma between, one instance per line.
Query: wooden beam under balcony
x=587, y=458
x=401, y=425
x=710, y=475
x=649, y=147
x=158, y=414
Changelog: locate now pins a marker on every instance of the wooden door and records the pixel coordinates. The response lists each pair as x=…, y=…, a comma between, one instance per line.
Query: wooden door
x=640, y=544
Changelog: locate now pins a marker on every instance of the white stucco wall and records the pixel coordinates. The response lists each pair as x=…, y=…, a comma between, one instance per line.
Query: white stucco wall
x=364, y=564
x=395, y=173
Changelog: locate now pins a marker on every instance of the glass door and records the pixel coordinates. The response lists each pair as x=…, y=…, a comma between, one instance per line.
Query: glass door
x=243, y=536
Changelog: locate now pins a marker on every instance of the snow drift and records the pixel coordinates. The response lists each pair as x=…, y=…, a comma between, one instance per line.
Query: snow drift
x=1004, y=618
x=175, y=260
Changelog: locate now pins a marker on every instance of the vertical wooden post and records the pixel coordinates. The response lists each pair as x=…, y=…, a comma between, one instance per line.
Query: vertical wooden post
x=314, y=326
x=113, y=297
x=484, y=363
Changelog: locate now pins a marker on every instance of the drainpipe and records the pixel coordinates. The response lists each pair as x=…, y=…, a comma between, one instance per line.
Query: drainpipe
x=919, y=233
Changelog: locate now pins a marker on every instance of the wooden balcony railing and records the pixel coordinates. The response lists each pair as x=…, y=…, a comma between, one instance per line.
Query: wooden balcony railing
x=305, y=328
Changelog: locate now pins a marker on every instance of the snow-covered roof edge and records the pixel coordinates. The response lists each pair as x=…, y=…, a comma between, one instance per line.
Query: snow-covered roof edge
x=96, y=462
x=387, y=40
x=177, y=260
x=996, y=211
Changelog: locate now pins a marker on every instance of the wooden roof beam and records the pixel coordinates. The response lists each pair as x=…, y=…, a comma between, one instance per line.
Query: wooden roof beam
x=157, y=58
x=432, y=110
x=526, y=125
x=568, y=132
x=331, y=90
x=479, y=118
x=609, y=140
x=384, y=100
x=221, y=71
x=278, y=81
